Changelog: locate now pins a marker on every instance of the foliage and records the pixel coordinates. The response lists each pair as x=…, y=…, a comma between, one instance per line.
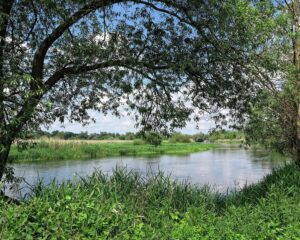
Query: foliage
x=225, y=135
x=163, y=61
x=180, y=138
x=200, y=137
x=128, y=205
x=82, y=135
x=152, y=138
x=274, y=113
x=64, y=150
x=264, y=126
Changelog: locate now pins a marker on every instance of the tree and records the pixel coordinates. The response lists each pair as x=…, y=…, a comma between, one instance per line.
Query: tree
x=165, y=61
x=151, y=57
x=61, y=59
x=274, y=114
x=255, y=55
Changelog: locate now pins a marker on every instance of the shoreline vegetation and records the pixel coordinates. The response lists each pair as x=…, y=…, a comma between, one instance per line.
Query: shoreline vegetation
x=54, y=150
x=55, y=146
x=128, y=205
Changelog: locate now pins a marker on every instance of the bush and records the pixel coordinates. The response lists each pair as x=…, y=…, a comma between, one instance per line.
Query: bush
x=200, y=137
x=180, y=138
x=153, y=138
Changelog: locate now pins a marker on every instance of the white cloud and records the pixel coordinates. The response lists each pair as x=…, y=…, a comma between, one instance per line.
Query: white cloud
x=123, y=124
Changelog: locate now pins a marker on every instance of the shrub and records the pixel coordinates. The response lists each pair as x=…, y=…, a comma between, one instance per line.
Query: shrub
x=200, y=137
x=153, y=138
x=180, y=138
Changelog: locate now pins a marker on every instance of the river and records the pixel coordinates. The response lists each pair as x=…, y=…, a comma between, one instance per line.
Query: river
x=225, y=167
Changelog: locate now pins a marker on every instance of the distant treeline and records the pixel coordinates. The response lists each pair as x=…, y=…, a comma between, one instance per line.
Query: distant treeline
x=175, y=137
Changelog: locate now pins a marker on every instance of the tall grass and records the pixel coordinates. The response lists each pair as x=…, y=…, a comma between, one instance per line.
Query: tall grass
x=62, y=150
x=128, y=205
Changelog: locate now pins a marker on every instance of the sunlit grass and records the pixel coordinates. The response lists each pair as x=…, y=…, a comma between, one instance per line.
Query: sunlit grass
x=69, y=150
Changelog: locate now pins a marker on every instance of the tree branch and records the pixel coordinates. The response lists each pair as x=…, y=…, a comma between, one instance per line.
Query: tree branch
x=5, y=9
x=39, y=56
x=79, y=69
x=127, y=63
x=153, y=6
x=33, y=24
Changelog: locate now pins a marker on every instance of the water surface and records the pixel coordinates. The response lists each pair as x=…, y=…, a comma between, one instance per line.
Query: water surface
x=223, y=168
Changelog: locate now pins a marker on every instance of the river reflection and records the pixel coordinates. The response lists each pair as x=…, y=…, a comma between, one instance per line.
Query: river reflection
x=223, y=168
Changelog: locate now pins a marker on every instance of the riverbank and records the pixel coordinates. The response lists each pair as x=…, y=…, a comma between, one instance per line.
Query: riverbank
x=130, y=206
x=74, y=150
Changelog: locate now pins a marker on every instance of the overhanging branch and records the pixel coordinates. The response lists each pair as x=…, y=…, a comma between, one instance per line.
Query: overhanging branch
x=127, y=63
x=39, y=56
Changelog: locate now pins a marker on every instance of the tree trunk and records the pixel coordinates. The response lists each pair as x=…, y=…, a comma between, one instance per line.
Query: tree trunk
x=4, y=151
x=297, y=157
x=5, y=141
x=296, y=93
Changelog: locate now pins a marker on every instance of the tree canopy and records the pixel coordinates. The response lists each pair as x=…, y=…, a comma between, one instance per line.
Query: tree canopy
x=150, y=56
x=165, y=61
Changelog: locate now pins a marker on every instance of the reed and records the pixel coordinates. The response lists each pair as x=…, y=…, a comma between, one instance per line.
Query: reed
x=128, y=205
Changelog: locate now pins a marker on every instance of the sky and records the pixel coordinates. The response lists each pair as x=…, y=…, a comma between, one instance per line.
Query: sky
x=123, y=124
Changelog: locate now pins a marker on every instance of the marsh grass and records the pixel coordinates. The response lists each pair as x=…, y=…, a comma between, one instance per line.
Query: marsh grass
x=72, y=150
x=128, y=205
